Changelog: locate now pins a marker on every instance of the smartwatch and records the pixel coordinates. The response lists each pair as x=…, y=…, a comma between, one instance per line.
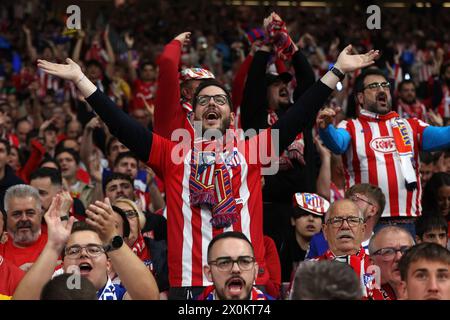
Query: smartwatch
x=338, y=73
x=116, y=243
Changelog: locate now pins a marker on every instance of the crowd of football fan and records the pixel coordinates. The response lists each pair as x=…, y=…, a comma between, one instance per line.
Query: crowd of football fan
x=359, y=206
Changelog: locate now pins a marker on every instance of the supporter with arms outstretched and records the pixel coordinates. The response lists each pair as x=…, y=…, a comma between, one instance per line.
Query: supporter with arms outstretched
x=207, y=211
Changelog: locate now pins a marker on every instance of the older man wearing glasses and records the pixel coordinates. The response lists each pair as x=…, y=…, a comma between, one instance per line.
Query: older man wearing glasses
x=344, y=229
x=232, y=268
x=386, y=248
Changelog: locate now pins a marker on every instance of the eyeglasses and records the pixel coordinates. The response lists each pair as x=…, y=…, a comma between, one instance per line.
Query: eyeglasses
x=355, y=198
x=376, y=85
x=245, y=263
x=220, y=99
x=131, y=214
x=389, y=253
x=352, y=221
x=93, y=250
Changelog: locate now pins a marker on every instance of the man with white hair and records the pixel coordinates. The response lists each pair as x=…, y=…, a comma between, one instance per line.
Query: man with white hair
x=26, y=238
x=344, y=228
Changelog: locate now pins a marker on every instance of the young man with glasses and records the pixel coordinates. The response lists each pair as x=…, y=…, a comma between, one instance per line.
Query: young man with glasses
x=386, y=248
x=232, y=268
x=90, y=249
x=344, y=230
x=381, y=148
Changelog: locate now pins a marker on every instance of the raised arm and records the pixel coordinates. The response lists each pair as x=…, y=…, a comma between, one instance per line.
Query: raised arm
x=129, y=41
x=31, y=49
x=42, y=270
x=134, y=275
x=254, y=99
x=121, y=125
x=337, y=140
x=309, y=104
x=168, y=114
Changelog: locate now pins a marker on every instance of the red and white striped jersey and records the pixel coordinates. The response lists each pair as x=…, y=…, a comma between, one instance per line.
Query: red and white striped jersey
x=189, y=227
x=372, y=157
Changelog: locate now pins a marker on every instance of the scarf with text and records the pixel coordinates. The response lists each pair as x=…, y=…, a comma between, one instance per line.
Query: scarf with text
x=210, y=184
x=403, y=143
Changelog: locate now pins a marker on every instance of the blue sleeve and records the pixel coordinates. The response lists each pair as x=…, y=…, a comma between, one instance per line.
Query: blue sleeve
x=335, y=139
x=436, y=138
x=318, y=246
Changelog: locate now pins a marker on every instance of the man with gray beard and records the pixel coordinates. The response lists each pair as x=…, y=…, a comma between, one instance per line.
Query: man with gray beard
x=26, y=238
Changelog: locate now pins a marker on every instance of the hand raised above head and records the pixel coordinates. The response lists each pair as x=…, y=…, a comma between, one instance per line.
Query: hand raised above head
x=70, y=71
x=347, y=62
x=101, y=217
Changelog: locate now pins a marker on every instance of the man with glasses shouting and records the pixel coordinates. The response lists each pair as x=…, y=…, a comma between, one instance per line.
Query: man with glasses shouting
x=232, y=268
x=381, y=148
x=386, y=248
x=89, y=250
x=344, y=230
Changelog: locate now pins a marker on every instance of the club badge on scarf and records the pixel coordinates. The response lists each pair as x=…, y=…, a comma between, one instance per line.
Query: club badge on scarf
x=210, y=187
x=403, y=143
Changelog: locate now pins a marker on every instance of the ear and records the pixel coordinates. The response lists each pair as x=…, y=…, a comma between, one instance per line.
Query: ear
x=232, y=115
x=360, y=98
x=256, y=268
x=292, y=222
x=324, y=230
x=186, y=93
x=207, y=272
x=403, y=293
x=418, y=240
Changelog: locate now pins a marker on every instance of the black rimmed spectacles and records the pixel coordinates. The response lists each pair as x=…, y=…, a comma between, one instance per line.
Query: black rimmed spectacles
x=226, y=264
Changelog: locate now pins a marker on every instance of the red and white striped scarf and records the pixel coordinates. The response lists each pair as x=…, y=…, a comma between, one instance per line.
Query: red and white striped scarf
x=360, y=263
x=210, y=184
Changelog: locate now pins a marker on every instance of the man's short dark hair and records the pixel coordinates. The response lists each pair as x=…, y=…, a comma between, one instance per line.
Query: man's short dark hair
x=20, y=120
x=325, y=280
x=428, y=251
x=123, y=155
x=53, y=174
x=7, y=145
x=431, y=221
x=226, y=235
x=426, y=157
x=372, y=192
x=109, y=143
x=405, y=82
x=72, y=152
x=208, y=83
x=58, y=289
x=116, y=176
x=359, y=82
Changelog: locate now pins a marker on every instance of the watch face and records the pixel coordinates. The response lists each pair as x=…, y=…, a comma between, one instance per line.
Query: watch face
x=117, y=242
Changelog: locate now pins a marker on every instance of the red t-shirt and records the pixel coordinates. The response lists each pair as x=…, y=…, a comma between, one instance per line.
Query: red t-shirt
x=10, y=276
x=143, y=90
x=20, y=256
